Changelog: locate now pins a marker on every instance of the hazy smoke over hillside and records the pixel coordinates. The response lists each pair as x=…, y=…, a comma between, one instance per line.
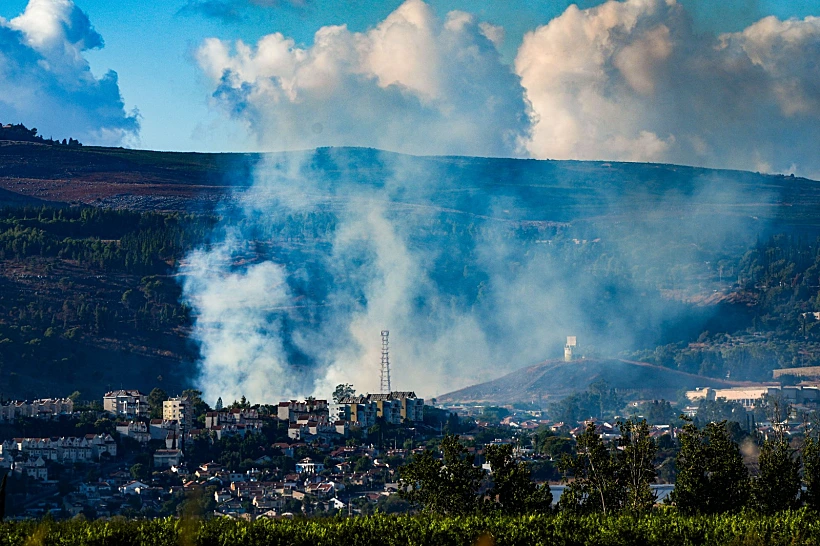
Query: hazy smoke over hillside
x=466, y=296
x=475, y=278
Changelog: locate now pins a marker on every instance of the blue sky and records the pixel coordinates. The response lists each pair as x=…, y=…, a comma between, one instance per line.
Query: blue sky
x=155, y=48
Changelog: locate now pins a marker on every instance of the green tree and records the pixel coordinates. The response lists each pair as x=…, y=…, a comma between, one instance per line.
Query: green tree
x=590, y=476
x=342, y=390
x=636, y=469
x=778, y=483
x=711, y=476
x=155, y=399
x=197, y=404
x=140, y=472
x=810, y=453
x=513, y=491
x=442, y=486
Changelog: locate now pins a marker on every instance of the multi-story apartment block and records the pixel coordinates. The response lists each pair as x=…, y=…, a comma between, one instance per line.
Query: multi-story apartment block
x=359, y=410
x=412, y=407
x=130, y=404
x=248, y=418
x=179, y=409
x=293, y=410
x=395, y=408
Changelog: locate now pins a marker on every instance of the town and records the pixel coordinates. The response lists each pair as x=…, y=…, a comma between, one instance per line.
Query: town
x=146, y=455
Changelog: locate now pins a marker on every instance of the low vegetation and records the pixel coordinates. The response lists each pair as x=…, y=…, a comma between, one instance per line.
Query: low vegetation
x=662, y=528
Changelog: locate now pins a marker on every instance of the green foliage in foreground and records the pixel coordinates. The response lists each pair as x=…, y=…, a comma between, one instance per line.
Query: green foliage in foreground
x=663, y=528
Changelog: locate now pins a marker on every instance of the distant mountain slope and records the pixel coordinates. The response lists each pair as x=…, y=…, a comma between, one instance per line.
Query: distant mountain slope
x=533, y=190
x=555, y=379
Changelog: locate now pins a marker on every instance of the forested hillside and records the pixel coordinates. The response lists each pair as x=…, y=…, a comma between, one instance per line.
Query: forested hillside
x=87, y=299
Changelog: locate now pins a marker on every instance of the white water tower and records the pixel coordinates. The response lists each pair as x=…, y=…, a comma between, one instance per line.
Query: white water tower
x=569, y=348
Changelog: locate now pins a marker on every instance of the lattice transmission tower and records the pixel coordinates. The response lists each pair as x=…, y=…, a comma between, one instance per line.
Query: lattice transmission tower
x=385, y=375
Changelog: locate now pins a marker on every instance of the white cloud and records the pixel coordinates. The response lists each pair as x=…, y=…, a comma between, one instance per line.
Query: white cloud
x=632, y=81
x=45, y=80
x=412, y=83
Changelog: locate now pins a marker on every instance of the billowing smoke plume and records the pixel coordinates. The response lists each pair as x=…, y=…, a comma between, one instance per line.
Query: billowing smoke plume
x=471, y=277
x=45, y=80
x=632, y=81
x=251, y=310
x=413, y=83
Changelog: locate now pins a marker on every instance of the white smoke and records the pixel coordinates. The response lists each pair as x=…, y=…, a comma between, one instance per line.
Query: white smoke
x=625, y=80
x=46, y=82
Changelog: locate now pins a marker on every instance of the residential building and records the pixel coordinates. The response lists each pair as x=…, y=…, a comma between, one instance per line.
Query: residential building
x=159, y=428
x=166, y=458
x=412, y=407
x=130, y=404
x=45, y=407
x=307, y=466
x=136, y=430
x=34, y=468
x=359, y=410
x=292, y=410
x=63, y=450
x=749, y=396
x=179, y=409
x=395, y=407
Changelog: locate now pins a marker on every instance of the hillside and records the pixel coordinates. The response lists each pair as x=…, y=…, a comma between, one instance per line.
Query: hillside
x=533, y=190
x=701, y=271
x=555, y=379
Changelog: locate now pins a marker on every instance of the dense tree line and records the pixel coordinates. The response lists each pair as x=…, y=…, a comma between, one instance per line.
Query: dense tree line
x=610, y=477
x=21, y=133
x=453, y=484
x=104, y=239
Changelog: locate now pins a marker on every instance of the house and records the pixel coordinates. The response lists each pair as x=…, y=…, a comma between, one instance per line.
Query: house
x=222, y=496
x=130, y=404
x=133, y=488
x=63, y=450
x=118, y=478
x=101, y=444
x=336, y=504
x=167, y=458
x=42, y=408
x=136, y=430
x=307, y=466
x=249, y=418
x=287, y=449
x=159, y=428
x=233, y=506
x=266, y=503
x=323, y=490
x=32, y=468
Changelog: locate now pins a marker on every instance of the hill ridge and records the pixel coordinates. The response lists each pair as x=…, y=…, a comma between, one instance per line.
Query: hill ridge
x=556, y=378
